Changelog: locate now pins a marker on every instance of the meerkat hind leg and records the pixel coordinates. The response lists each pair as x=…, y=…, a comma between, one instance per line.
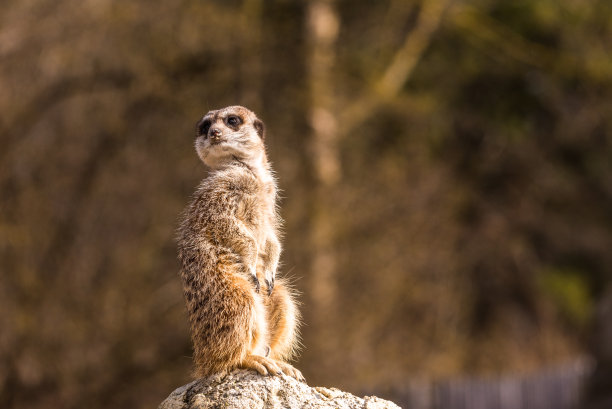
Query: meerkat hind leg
x=282, y=325
x=282, y=322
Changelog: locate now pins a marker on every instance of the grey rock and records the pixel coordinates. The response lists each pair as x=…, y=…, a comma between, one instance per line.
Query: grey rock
x=247, y=389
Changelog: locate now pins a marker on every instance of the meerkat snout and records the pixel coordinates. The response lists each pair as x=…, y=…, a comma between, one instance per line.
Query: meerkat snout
x=215, y=132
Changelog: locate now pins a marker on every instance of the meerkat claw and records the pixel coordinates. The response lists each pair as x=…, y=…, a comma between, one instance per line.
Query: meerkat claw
x=270, y=284
x=255, y=281
x=291, y=371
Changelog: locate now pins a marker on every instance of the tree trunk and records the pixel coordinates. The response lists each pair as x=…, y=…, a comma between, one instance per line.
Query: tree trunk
x=322, y=31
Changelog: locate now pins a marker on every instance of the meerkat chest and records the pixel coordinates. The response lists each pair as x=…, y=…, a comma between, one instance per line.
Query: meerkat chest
x=256, y=211
x=251, y=200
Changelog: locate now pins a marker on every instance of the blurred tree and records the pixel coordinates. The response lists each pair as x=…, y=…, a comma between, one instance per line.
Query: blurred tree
x=322, y=32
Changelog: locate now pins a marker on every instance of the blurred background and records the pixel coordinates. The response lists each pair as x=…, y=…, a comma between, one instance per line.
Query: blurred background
x=446, y=176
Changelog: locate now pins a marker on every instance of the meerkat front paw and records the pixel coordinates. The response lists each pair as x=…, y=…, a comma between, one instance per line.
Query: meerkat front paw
x=255, y=281
x=270, y=283
x=251, y=271
x=270, y=274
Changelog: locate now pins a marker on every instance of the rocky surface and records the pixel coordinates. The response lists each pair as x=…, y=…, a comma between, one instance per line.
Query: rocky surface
x=247, y=389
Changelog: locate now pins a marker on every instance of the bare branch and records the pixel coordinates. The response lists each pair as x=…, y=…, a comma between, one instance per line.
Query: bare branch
x=401, y=67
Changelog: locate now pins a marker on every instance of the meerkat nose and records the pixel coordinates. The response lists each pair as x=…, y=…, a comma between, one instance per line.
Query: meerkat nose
x=215, y=133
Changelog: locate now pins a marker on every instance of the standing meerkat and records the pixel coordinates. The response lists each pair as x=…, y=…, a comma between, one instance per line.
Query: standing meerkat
x=228, y=246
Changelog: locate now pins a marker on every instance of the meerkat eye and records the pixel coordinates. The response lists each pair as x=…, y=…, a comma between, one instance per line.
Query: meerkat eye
x=203, y=128
x=233, y=120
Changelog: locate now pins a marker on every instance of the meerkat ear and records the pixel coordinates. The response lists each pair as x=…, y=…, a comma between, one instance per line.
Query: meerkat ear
x=260, y=128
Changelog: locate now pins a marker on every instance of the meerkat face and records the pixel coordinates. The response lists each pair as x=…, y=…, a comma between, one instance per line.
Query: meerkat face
x=228, y=134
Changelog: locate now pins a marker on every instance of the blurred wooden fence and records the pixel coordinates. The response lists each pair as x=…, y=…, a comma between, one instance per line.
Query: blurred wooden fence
x=555, y=388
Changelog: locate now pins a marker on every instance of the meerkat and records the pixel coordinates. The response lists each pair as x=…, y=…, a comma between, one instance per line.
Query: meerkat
x=229, y=246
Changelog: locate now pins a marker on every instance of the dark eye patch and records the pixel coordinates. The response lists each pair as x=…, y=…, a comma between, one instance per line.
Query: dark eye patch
x=203, y=127
x=233, y=121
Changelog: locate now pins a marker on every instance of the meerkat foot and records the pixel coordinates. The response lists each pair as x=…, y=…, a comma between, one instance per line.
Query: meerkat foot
x=291, y=371
x=264, y=366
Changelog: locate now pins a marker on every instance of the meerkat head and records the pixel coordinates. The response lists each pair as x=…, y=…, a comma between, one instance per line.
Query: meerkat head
x=228, y=135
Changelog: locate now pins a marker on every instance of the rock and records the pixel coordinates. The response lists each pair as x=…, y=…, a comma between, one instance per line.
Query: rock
x=247, y=389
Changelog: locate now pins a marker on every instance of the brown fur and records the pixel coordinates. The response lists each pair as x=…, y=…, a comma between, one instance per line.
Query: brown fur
x=228, y=241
